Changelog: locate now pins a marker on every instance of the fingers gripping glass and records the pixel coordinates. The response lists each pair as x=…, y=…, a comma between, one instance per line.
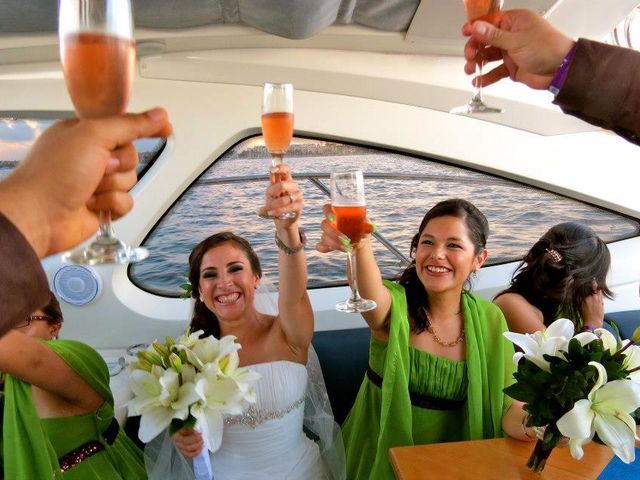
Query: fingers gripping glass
x=277, y=126
x=476, y=9
x=98, y=57
x=349, y=207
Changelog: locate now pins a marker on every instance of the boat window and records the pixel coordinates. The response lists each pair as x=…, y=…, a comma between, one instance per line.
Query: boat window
x=399, y=188
x=18, y=134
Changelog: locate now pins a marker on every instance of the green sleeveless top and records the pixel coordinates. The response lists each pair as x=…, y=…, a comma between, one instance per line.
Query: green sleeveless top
x=385, y=417
x=32, y=446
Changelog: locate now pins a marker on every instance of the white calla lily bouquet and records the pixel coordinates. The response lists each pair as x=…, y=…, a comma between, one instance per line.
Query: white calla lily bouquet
x=581, y=386
x=190, y=382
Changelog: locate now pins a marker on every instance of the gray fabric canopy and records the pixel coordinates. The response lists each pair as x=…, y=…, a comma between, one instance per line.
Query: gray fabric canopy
x=295, y=19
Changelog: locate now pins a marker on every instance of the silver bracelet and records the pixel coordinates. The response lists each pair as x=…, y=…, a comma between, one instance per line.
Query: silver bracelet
x=288, y=250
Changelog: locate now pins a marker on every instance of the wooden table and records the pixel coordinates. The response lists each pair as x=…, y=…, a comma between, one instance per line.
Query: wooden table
x=498, y=459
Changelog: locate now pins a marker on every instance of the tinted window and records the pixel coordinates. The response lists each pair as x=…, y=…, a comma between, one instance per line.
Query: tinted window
x=400, y=189
x=18, y=134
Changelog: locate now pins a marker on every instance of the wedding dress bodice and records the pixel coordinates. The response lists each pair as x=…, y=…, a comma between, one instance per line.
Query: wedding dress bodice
x=268, y=441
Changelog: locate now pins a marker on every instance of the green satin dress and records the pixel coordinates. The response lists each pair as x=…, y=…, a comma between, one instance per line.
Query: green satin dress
x=32, y=445
x=385, y=417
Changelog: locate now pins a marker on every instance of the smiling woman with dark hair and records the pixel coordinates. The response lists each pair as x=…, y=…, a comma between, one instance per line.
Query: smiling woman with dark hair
x=438, y=362
x=58, y=409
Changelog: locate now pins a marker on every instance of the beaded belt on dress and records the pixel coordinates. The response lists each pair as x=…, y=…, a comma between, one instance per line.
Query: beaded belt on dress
x=89, y=449
x=254, y=417
x=419, y=400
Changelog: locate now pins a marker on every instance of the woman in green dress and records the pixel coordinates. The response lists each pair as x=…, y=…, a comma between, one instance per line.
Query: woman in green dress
x=438, y=362
x=58, y=418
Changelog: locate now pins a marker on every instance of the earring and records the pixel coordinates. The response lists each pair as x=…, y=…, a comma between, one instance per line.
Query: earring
x=201, y=299
x=474, y=274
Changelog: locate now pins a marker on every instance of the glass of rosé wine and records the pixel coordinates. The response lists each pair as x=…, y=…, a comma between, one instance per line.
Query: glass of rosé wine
x=350, y=209
x=277, y=126
x=97, y=52
x=474, y=10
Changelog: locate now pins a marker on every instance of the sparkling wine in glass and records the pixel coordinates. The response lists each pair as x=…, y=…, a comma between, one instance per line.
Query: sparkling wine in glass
x=277, y=126
x=474, y=10
x=349, y=207
x=97, y=51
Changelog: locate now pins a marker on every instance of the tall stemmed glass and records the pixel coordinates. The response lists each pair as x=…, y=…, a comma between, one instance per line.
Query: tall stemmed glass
x=476, y=9
x=97, y=52
x=349, y=207
x=277, y=126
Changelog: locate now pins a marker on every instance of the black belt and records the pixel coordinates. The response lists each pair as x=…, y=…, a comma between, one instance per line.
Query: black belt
x=419, y=400
x=89, y=449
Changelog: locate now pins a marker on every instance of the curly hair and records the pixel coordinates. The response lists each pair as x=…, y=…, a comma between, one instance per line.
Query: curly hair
x=557, y=274
x=203, y=318
x=478, y=228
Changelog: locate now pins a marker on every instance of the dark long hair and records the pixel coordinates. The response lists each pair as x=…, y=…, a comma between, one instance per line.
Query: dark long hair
x=558, y=285
x=478, y=228
x=203, y=318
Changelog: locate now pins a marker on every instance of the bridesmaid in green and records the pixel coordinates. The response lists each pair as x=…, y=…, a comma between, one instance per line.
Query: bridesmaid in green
x=58, y=409
x=437, y=360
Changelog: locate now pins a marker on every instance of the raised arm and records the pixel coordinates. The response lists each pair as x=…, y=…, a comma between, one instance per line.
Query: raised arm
x=294, y=306
x=369, y=278
x=33, y=362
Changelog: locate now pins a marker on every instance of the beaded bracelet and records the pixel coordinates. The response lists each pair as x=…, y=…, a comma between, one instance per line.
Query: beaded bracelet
x=589, y=328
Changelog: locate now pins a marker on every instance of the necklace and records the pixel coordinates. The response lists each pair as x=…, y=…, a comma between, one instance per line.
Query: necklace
x=438, y=340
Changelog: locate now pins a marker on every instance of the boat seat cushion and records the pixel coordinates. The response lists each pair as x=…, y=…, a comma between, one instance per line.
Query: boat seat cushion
x=626, y=322
x=343, y=355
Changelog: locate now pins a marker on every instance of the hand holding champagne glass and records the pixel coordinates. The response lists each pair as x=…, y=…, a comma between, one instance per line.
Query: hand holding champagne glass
x=474, y=10
x=349, y=207
x=97, y=52
x=277, y=126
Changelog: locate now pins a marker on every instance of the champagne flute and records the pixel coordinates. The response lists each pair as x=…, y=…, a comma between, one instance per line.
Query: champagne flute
x=349, y=207
x=97, y=51
x=277, y=126
x=474, y=10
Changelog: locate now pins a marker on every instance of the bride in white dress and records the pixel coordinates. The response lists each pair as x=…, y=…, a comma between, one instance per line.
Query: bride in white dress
x=268, y=441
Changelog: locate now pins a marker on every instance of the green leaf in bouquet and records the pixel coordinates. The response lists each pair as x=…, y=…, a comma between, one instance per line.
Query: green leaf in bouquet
x=187, y=290
x=635, y=338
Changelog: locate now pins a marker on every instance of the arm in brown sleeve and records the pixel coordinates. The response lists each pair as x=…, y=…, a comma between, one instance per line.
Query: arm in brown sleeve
x=23, y=283
x=603, y=88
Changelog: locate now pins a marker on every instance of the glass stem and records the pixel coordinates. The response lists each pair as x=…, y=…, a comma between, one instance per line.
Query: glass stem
x=106, y=230
x=477, y=88
x=353, y=277
x=276, y=159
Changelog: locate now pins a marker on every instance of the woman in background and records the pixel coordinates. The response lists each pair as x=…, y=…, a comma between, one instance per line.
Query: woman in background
x=58, y=408
x=564, y=275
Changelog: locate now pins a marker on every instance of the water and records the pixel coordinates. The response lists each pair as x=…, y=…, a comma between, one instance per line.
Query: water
x=399, y=191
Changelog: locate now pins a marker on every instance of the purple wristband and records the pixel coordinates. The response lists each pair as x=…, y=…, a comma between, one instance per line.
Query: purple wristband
x=561, y=73
x=589, y=328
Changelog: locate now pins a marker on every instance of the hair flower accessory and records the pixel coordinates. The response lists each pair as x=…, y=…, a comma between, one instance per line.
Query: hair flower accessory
x=579, y=386
x=555, y=255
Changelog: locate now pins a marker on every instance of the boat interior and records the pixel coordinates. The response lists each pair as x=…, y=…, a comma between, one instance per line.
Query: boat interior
x=374, y=82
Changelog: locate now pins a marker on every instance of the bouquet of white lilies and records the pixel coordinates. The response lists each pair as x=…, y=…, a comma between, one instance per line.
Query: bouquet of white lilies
x=192, y=382
x=578, y=386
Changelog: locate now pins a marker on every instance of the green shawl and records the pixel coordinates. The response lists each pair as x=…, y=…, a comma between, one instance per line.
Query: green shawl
x=489, y=369
x=27, y=451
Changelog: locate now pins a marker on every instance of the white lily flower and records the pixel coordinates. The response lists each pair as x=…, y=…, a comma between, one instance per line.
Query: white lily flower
x=219, y=395
x=159, y=398
x=551, y=341
x=606, y=411
x=632, y=360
